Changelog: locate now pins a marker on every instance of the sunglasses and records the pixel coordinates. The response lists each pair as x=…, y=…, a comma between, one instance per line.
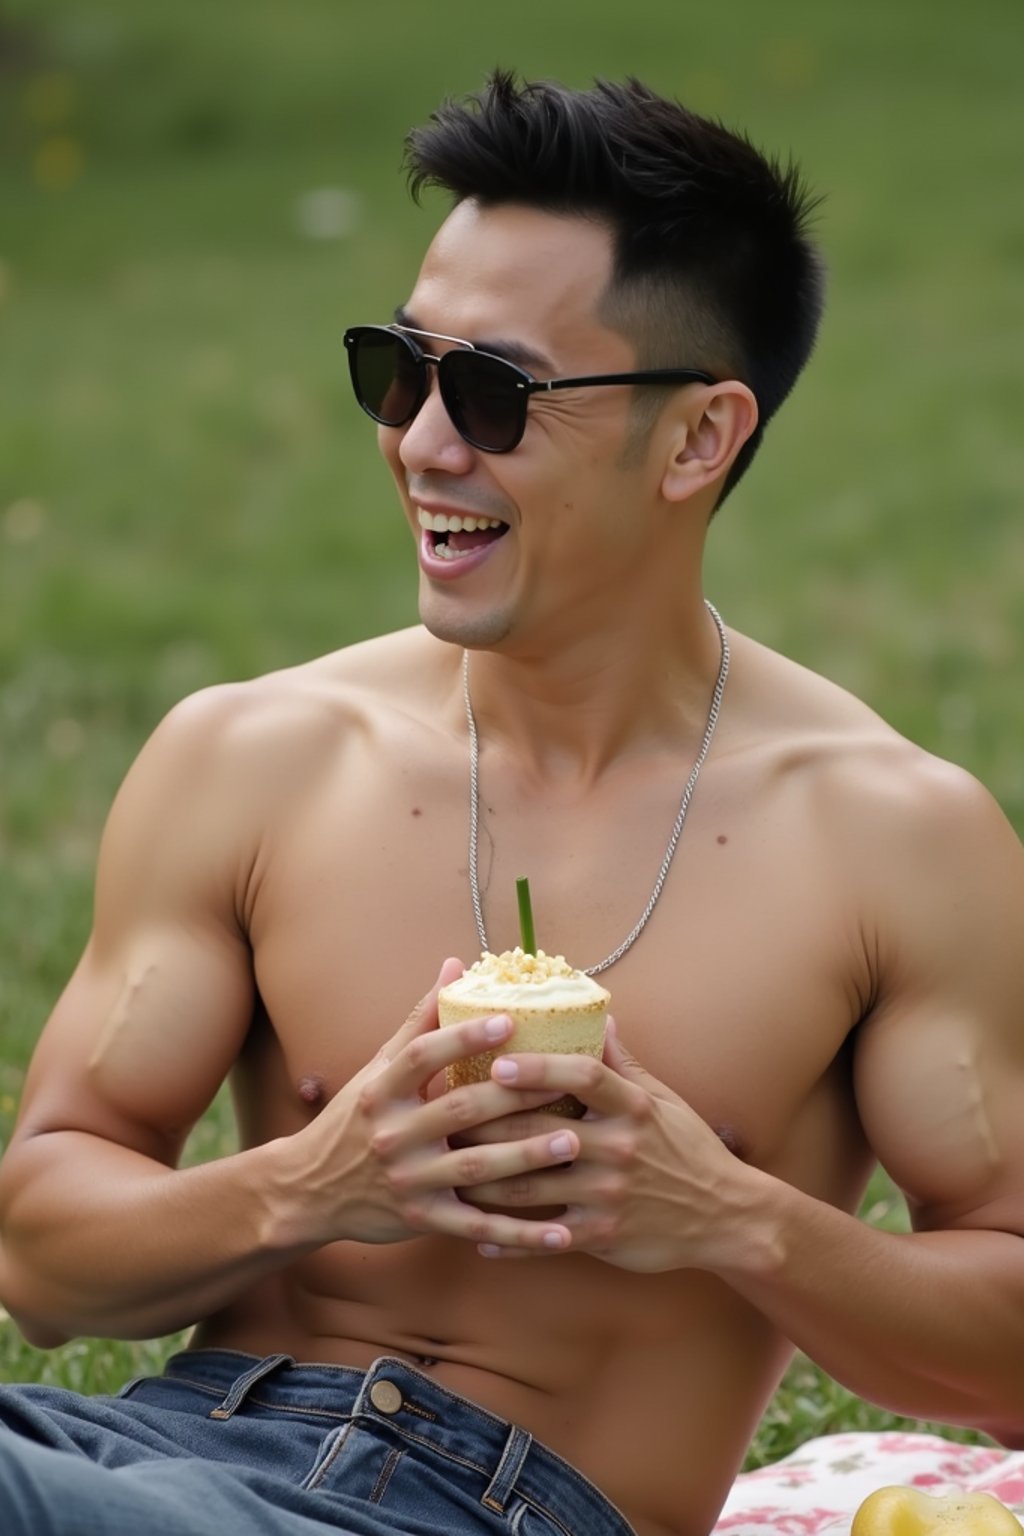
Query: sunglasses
x=485, y=396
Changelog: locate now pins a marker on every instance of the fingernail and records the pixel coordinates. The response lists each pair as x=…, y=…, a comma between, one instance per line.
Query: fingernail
x=497, y=1028
x=553, y=1240
x=506, y=1071
x=488, y=1250
x=560, y=1145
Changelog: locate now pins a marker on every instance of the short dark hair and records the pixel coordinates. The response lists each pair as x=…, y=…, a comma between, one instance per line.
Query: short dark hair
x=713, y=267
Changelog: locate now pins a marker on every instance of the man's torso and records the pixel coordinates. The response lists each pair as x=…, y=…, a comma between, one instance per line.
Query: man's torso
x=740, y=996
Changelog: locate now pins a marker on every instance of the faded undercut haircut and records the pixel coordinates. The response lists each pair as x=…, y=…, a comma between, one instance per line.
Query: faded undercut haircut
x=713, y=267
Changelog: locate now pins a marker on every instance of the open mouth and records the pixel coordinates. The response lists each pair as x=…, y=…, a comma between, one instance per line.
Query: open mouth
x=453, y=537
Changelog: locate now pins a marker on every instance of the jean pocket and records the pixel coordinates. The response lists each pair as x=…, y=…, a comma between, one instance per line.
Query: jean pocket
x=525, y=1519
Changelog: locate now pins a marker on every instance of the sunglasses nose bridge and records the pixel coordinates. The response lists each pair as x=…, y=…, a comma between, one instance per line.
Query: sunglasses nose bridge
x=428, y=371
x=451, y=391
x=432, y=436
x=420, y=362
x=434, y=375
x=447, y=387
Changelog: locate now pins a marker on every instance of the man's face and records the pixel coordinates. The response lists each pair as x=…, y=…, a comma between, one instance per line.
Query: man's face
x=525, y=285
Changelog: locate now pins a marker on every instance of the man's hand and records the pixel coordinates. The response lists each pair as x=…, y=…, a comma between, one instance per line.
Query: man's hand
x=375, y=1166
x=652, y=1186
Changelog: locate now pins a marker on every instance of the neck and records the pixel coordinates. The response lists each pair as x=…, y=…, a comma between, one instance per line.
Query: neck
x=691, y=784
x=572, y=709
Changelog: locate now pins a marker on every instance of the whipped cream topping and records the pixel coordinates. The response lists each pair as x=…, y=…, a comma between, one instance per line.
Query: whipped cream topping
x=515, y=978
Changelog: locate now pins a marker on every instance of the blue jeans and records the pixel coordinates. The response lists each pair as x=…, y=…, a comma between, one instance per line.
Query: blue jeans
x=224, y=1444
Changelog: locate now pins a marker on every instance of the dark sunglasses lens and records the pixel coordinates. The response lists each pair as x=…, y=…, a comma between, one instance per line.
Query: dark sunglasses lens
x=387, y=378
x=483, y=400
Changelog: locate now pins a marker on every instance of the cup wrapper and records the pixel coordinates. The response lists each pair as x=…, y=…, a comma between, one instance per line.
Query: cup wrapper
x=542, y=1030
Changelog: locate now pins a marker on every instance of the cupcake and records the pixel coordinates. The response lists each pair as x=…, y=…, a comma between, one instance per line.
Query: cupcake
x=555, y=1010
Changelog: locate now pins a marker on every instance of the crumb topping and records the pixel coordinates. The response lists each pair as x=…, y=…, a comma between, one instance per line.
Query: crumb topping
x=515, y=965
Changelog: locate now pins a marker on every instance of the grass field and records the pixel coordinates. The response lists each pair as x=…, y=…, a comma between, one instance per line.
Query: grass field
x=194, y=201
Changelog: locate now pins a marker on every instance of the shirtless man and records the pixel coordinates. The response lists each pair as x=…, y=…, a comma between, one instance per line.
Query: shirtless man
x=833, y=972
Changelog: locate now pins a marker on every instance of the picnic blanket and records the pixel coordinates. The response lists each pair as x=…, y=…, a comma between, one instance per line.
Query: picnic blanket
x=816, y=1490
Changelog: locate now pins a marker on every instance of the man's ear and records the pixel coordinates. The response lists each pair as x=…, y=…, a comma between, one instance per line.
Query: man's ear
x=708, y=438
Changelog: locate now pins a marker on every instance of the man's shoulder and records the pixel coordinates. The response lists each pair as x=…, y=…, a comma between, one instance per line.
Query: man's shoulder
x=833, y=748
x=233, y=751
x=300, y=703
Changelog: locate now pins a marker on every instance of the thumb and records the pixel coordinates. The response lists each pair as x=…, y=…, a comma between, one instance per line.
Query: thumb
x=424, y=1015
x=622, y=1060
x=616, y=1055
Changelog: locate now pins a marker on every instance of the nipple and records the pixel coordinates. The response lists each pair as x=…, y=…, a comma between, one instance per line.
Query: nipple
x=312, y=1091
x=732, y=1140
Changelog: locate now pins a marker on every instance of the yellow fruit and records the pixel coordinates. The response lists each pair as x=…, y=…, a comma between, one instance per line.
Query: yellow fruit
x=909, y=1512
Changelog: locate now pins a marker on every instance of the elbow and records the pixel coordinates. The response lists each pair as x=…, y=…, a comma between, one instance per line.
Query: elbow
x=1005, y=1426
x=1011, y=1436
x=39, y=1334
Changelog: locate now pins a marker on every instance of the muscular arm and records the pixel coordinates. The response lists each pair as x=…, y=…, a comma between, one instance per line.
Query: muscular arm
x=929, y=1323
x=102, y=1232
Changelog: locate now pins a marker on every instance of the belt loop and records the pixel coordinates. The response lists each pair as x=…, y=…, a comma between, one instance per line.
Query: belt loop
x=241, y=1388
x=509, y=1467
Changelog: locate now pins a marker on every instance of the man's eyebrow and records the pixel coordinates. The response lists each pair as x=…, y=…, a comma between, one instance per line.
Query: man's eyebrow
x=513, y=351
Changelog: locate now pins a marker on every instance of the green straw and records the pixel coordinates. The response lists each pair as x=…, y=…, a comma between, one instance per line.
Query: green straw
x=529, y=941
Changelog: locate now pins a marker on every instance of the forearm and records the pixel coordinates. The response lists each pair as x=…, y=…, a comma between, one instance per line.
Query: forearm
x=927, y=1324
x=101, y=1240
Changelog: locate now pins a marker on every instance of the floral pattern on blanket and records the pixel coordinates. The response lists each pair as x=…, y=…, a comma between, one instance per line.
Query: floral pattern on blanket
x=817, y=1490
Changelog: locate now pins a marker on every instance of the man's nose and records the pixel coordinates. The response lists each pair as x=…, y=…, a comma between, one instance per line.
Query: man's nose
x=430, y=441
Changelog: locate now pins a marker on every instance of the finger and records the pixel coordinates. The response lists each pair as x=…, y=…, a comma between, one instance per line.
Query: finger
x=613, y=1047
x=527, y=1191
x=592, y=1231
x=571, y=1222
x=492, y=1250
x=481, y=1165
x=464, y=1117
x=424, y=1014
x=529, y=1120
x=451, y=1218
x=427, y=1053
x=597, y=1179
x=622, y=1061
x=588, y=1079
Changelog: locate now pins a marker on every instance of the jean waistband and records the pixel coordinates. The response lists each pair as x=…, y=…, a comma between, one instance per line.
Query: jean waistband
x=394, y=1393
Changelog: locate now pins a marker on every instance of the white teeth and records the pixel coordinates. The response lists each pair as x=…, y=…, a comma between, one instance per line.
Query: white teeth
x=437, y=522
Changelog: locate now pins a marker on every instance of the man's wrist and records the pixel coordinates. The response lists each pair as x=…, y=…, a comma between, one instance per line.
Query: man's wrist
x=749, y=1241
x=285, y=1222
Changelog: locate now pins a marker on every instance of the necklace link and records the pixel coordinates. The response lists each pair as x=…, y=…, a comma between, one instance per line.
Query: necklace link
x=684, y=805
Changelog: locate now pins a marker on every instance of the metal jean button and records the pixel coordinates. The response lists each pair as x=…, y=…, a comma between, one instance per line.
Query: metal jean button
x=385, y=1396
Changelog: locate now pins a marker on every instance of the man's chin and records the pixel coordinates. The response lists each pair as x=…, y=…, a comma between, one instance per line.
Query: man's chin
x=470, y=631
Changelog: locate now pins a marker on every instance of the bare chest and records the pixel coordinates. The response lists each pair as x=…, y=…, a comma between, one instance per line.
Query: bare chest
x=738, y=995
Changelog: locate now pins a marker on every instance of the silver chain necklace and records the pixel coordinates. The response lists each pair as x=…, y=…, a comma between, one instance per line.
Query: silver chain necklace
x=684, y=805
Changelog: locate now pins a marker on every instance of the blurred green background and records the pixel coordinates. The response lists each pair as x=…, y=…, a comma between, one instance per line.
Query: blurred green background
x=195, y=199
